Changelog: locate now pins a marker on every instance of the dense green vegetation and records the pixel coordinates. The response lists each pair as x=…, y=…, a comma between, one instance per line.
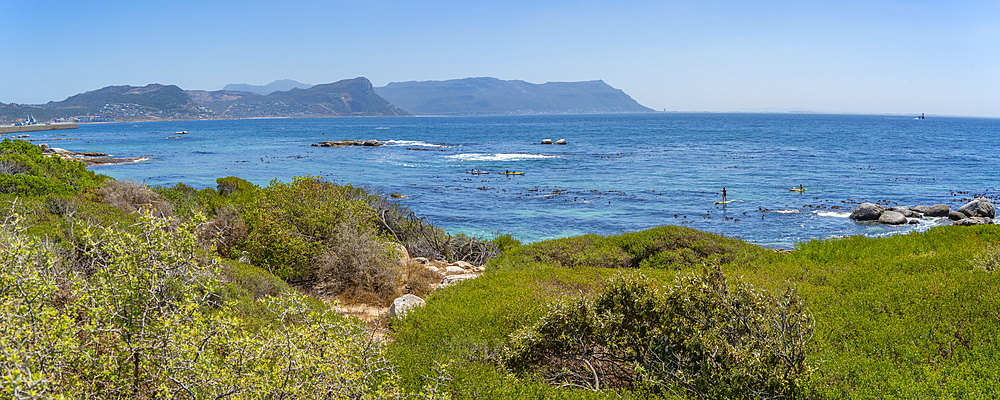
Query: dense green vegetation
x=115, y=290
x=908, y=316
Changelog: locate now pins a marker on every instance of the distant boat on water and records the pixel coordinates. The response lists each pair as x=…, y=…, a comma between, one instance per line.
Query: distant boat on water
x=921, y=116
x=29, y=121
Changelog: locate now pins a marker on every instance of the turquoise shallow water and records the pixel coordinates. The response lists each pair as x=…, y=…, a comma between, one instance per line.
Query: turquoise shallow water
x=618, y=173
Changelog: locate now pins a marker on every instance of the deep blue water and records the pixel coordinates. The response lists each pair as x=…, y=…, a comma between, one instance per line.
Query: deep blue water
x=618, y=173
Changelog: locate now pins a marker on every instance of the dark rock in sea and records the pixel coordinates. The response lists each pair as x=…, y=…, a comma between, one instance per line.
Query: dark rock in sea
x=956, y=216
x=973, y=221
x=94, y=154
x=867, y=212
x=913, y=221
x=338, y=143
x=920, y=209
x=561, y=141
x=892, y=218
x=546, y=141
x=980, y=207
x=937, y=210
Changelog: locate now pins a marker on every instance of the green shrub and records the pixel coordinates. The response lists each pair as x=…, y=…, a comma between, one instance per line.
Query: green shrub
x=665, y=247
x=506, y=242
x=702, y=337
x=30, y=185
x=20, y=158
x=145, y=322
x=187, y=201
x=291, y=225
x=231, y=184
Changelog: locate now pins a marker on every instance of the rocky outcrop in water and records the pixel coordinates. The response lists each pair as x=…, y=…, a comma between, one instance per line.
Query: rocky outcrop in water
x=977, y=212
x=341, y=143
x=892, y=218
x=867, y=212
x=937, y=210
x=980, y=207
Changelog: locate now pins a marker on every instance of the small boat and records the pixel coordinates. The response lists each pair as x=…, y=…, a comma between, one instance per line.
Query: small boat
x=511, y=173
x=797, y=189
x=724, y=202
x=477, y=172
x=181, y=133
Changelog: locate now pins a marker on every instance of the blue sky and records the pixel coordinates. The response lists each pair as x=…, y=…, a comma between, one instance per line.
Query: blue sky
x=937, y=57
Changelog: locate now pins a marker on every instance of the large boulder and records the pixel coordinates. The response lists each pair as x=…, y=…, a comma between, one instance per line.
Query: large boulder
x=546, y=141
x=404, y=304
x=937, y=210
x=974, y=221
x=908, y=213
x=978, y=208
x=867, y=212
x=920, y=209
x=454, y=269
x=892, y=218
x=956, y=216
x=561, y=141
x=453, y=279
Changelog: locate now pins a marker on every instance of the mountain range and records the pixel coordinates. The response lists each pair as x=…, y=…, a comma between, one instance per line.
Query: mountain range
x=490, y=96
x=276, y=86
x=349, y=97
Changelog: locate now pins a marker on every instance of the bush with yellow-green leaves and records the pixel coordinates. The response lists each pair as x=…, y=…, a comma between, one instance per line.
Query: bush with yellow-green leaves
x=136, y=314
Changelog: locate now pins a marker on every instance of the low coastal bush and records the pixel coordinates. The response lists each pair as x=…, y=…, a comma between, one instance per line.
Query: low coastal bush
x=134, y=197
x=422, y=239
x=25, y=170
x=289, y=225
x=145, y=320
x=702, y=337
x=665, y=247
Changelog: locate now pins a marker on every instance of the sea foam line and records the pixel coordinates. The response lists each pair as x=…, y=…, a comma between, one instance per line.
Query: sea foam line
x=833, y=214
x=412, y=143
x=499, y=157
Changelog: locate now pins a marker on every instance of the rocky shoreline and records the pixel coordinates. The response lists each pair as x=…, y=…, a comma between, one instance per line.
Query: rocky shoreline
x=977, y=212
x=89, y=158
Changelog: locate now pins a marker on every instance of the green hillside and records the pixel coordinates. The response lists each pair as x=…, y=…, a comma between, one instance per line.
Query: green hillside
x=112, y=289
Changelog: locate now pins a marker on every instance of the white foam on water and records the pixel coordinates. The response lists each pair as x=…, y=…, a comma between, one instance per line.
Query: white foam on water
x=382, y=127
x=499, y=157
x=833, y=214
x=412, y=143
x=787, y=211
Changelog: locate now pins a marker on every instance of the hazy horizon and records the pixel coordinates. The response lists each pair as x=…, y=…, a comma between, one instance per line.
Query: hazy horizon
x=854, y=57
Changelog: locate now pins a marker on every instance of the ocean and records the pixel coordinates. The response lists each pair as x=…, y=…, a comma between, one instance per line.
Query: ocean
x=618, y=172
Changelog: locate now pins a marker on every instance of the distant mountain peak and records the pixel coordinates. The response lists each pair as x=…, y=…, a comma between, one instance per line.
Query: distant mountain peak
x=282, y=85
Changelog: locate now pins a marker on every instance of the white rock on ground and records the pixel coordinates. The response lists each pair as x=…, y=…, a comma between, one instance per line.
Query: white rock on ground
x=404, y=304
x=452, y=279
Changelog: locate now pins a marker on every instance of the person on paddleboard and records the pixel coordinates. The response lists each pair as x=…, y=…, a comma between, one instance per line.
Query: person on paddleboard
x=723, y=194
